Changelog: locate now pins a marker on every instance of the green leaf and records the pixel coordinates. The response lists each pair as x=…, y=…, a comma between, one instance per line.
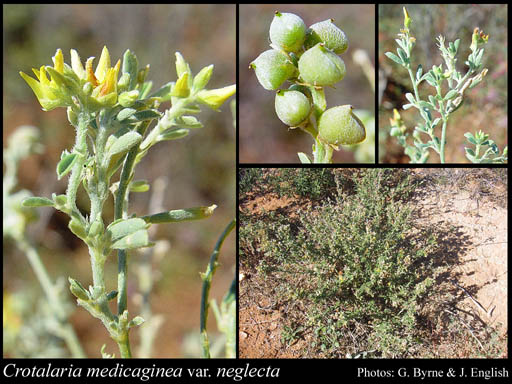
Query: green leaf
x=139, y=186
x=394, y=57
x=173, y=134
x=164, y=92
x=37, y=202
x=125, y=113
x=134, y=240
x=188, y=122
x=178, y=215
x=67, y=160
x=124, y=227
x=424, y=104
x=407, y=106
x=77, y=228
x=304, y=159
x=111, y=295
x=130, y=66
x=136, y=321
x=451, y=94
x=147, y=114
x=456, y=45
x=469, y=136
x=419, y=73
x=410, y=97
x=124, y=143
x=470, y=152
x=402, y=55
x=78, y=290
x=145, y=89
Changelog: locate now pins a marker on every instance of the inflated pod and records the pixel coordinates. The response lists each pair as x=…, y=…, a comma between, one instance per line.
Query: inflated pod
x=329, y=34
x=339, y=126
x=292, y=107
x=287, y=31
x=321, y=66
x=273, y=68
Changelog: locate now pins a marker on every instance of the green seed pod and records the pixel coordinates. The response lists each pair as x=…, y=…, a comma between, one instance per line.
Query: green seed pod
x=320, y=66
x=272, y=69
x=339, y=125
x=292, y=107
x=329, y=34
x=287, y=31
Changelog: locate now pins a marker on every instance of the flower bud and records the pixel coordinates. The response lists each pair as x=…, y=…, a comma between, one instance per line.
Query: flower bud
x=202, y=78
x=292, y=107
x=272, y=69
x=407, y=19
x=127, y=99
x=72, y=116
x=287, y=31
x=320, y=66
x=339, y=125
x=329, y=34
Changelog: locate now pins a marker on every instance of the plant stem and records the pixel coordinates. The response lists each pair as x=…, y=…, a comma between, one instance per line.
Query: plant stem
x=76, y=173
x=207, y=282
x=66, y=331
x=443, y=139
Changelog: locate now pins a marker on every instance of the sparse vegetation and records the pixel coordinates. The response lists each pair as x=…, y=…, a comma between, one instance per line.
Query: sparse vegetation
x=354, y=274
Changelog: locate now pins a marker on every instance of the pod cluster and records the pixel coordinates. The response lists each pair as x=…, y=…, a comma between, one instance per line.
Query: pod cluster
x=308, y=58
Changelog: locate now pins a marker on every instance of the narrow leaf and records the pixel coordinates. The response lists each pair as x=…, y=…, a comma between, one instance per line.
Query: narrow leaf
x=124, y=143
x=451, y=94
x=66, y=163
x=37, y=202
x=419, y=73
x=139, y=186
x=304, y=159
x=164, y=92
x=188, y=122
x=410, y=97
x=173, y=134
x=134, y=240
x=178, y=215
x=148, y=114
x=123, y=227
x=125, y=113
x=394, y=57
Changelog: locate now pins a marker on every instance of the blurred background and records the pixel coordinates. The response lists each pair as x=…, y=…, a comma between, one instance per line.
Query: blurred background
x=199, y=169
x=263, y=138
x=485, y=106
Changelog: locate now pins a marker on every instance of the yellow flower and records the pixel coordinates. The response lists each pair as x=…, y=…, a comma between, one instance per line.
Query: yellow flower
x=66, y=82
x=214, y=98
x=49, y=92
x=478, y=38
